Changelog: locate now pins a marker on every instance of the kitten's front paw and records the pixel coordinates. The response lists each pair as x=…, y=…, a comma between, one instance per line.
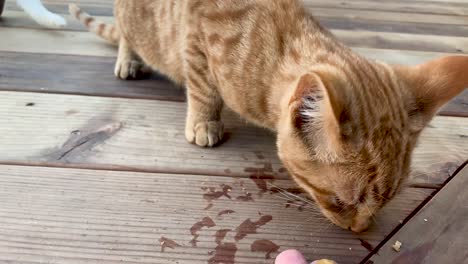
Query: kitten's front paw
x=205, y=134
x=129, y=69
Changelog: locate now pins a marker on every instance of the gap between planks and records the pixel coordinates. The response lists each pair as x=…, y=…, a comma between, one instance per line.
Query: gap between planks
x=416, y=214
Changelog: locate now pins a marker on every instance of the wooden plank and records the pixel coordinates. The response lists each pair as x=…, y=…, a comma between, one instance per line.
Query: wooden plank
x=454, y=9
x=59, y=75
x=84, y=216
x=86, y=75
x=20, y=19
x=403, y=41
x=437, y=233
x=356, y=38
x=346, y=23
x=85, y=43
x=389, y=16
x=54, y=42
x=97, y=132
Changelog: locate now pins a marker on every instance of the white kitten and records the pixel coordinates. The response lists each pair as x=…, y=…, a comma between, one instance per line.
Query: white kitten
x=36, y=10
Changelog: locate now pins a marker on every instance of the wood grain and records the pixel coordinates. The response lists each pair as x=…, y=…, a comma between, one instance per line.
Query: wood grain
x=415, y=7
x=91, y=75
x=85, y=43
x=437, y=233
x=85, y=216
x=388, y=16
x=134, y=134
x=21, y=20
x=403, y=41
x=54, y=42
x=355, y=38
x=85, y=75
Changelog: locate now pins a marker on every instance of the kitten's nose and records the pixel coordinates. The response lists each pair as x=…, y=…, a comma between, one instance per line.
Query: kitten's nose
x=360, y=225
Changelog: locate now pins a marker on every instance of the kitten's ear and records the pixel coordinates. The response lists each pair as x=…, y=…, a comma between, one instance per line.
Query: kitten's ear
x=433, y=84
x=320, y=92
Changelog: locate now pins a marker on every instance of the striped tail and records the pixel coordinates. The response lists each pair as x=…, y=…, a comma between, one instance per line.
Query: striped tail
x=106, y=31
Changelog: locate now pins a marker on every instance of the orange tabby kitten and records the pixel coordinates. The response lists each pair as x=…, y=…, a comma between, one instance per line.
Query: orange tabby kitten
x=346, y=126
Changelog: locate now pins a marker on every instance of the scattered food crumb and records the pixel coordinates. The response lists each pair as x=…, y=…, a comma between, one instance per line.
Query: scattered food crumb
x=401, y=222
x=397, y=246
x=30, y=104
x=350, y=249
x=425, y=220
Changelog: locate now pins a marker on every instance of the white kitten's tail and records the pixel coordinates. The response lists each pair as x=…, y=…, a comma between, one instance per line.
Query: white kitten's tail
x=106, y=31
x=40, y=14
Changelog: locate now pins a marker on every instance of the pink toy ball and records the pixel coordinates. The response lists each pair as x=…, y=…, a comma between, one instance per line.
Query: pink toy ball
x=293, y=256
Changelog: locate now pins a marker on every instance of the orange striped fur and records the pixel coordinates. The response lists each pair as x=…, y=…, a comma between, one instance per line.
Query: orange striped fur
x=346, y=126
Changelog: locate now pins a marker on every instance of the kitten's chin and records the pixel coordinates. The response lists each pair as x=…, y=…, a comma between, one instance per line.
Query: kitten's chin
x=345, y=225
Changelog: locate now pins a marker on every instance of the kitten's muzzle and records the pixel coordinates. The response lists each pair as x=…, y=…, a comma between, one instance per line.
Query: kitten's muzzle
x=360, y=225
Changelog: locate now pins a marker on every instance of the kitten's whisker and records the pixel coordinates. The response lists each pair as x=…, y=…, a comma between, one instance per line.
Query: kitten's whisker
x=291, y=194
x=370, y=213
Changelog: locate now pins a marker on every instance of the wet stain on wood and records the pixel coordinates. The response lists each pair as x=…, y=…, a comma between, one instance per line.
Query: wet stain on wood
x=224, y=253
x=245, y=198
x=213, y=194
x=30, y=104
x=208, y=207
x=266, y=246
x=95, y=132
x=366, y=245
x=226, y=212
x=205, y=222
x=259, y=155
x=260, y=176
x=71, y=112
x=248, y=227
x=220, y=235
x=167, y=243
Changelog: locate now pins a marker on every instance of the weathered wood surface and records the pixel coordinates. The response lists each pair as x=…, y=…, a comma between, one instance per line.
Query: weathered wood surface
x=136, y=181
x=93, y=75
x=149, y=135
x=21, y=20
x=437, y=233
x=85, y=75
x=83, y=216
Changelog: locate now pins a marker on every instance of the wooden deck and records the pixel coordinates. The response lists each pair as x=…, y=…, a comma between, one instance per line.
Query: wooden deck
x=97, y=170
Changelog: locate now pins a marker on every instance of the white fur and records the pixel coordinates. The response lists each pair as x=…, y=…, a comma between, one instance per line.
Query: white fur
x=36, y=10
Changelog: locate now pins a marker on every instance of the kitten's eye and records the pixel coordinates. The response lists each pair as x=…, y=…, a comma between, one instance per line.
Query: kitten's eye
x=334, y=204
x=334, y=200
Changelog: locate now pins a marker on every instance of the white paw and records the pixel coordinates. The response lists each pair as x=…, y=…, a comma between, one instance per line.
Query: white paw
x=205, y=134
x=52, y=21
x=57, y=21
x=127, y=69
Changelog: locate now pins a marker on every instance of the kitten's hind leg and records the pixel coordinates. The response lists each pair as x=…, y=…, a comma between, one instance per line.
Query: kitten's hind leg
x=129, y=65
x=203, y=125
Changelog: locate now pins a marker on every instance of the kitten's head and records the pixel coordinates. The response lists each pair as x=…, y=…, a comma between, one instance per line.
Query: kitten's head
x=347, y=133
